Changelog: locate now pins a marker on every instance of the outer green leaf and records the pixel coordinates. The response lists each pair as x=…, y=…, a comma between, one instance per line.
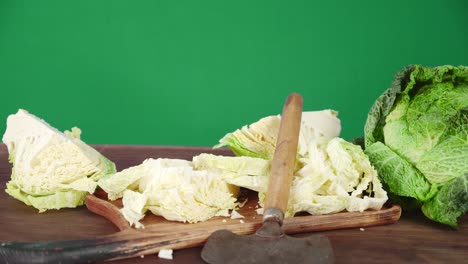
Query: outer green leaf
x=57, y=200
x=373, y=129
x=449, y=158
x=450, y=203
x=399, y=176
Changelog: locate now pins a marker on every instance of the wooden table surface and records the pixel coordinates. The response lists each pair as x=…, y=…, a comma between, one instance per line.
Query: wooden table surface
x=413, y=239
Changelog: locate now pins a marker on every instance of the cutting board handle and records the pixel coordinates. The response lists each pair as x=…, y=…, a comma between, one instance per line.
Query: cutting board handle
x=108, y=211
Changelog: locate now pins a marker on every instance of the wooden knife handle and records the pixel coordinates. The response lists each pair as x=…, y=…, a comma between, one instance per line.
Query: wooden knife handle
x=284, y=158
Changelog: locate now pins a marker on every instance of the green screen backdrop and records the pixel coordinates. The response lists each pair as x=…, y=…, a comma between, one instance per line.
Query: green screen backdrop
x=188, y=72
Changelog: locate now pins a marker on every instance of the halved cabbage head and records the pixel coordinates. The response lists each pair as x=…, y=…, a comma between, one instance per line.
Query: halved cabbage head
x=259, y=139
x=51, y=169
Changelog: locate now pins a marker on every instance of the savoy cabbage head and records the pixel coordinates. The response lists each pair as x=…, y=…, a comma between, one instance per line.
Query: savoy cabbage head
x=416, y=136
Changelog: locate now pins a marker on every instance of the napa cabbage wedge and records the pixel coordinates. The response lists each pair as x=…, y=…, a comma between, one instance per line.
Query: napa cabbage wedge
x=416, y=136
x=51, y=169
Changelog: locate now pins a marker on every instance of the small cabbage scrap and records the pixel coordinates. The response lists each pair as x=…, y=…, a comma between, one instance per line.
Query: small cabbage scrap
x=51, y=169
x=171, y=188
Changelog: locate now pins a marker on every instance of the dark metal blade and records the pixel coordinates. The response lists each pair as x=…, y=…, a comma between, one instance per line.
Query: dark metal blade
x=226, y=247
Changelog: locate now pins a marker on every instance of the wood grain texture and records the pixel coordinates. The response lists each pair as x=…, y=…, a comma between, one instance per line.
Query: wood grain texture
x=282, y=167
x=412, y=239
x=159, y=233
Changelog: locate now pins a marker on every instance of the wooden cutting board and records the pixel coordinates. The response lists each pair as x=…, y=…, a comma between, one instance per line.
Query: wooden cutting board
x=159, y=233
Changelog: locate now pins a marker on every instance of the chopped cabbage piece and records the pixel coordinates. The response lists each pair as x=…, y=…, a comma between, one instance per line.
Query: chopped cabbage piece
x=173, y=189
x=165, y=253
x=331, y=174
